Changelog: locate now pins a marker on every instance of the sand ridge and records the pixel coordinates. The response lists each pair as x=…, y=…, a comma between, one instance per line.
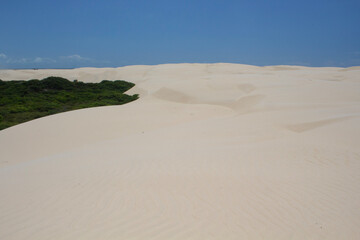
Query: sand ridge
x=209, y=151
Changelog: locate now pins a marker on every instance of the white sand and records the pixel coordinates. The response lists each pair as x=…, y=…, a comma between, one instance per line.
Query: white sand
x=210, y=151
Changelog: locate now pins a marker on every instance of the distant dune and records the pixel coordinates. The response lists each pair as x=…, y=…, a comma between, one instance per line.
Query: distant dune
x=209, y=151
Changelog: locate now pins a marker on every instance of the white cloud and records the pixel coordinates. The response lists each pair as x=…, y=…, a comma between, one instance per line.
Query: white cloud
x=354, y=53
x=20, y=60
x=76, y=57
x=30, y=60
x=38, y=60
x=43, y=60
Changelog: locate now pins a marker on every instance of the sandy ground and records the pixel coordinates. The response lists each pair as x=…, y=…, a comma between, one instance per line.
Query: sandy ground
x=210, y=151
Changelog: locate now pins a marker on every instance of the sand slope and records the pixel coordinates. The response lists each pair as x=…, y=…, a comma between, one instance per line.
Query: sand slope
x=210, y=151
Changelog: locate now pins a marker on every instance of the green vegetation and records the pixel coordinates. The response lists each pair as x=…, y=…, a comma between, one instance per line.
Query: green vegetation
x=21, y=101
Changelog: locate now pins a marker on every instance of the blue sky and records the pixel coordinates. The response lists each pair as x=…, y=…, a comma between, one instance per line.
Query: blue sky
x=79, y=33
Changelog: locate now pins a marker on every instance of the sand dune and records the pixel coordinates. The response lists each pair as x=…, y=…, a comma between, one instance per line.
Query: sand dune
x=209, y=151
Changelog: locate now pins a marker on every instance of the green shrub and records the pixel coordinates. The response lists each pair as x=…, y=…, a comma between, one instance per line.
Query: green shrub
x=21, y=101
x=18, y=109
